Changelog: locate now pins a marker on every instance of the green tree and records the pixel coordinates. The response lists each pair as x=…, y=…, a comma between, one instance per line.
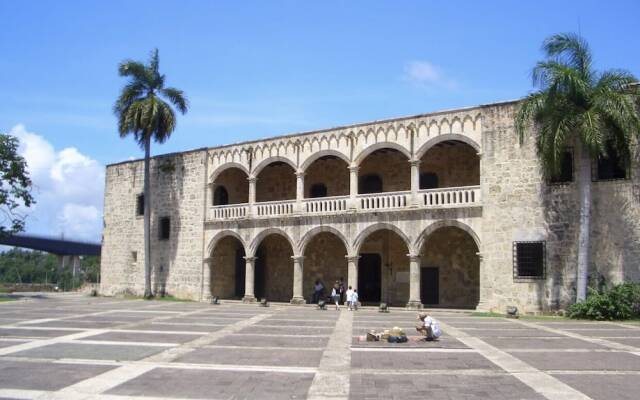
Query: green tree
x=575, y=104
x=15, y=186
x=142, y=112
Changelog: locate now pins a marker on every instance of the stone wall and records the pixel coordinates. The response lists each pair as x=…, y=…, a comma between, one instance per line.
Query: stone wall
x=332, y=172
x=324, y=260
x=223, y=268
x=275, y=254
x=390, y=165
x=177, y=187
x=454, y=253
x=235, y=182
x=455, y=163
x=276, y=182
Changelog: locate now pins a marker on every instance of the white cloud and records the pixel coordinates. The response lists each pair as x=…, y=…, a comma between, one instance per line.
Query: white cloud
x=68, y=189
x=426, y=74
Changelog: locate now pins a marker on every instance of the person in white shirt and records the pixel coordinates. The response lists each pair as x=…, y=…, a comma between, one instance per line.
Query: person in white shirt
x=350, y=298
x=355, y=299
x=335, y=295
x=429, y=326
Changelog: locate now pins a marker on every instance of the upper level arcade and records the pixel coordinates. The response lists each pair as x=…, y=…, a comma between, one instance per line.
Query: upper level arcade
x=428, y=161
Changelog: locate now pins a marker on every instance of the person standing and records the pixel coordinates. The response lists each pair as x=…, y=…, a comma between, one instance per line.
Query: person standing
x=318, y=288
x=335, y=295
x=341, y=287
x=354, y=298
x=350, y=299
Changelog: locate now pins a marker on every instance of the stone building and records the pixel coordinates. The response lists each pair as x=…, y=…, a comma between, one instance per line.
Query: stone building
x=444, y=209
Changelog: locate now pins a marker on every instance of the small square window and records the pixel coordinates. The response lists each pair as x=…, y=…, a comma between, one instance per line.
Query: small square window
x=165, y=228
x=529, y=260
x=134, y=257
x=611, y=167
x=565, y=175
x=140, y=204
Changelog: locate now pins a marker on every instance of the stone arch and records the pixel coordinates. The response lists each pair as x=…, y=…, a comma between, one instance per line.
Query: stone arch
x=443, y=138
x=226, y=166
x=251, y=251
x=360, y=239
x=309, y=235
x=317, y=155
x=381, y=145
x=221, y=235
x=419, y=242
x=264, y=163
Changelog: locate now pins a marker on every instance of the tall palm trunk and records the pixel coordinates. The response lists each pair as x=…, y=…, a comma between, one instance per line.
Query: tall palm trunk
x=147, y=218
x=585, y=223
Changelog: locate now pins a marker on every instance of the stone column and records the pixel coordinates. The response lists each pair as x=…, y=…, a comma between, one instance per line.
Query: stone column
x=299, y=190
x=206, y=279
x=352, y=271
x=249, y=296
x=415, y=182
x=484, y=288
x=414, y=282
x=298, y=274
x=252, y=194
x=353, y=187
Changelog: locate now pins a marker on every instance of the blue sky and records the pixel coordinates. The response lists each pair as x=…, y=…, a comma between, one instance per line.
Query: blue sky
x=255, y=69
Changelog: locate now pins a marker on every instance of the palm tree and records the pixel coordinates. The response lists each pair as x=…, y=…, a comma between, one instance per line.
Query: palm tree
x=597, y=111
x=142, y=112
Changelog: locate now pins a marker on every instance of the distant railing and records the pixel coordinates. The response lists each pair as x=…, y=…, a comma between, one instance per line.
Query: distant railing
x=381, y=201
x=325, y=204
x=273, y=208
x=450, y=196
x=429, y=198
x=229, y=211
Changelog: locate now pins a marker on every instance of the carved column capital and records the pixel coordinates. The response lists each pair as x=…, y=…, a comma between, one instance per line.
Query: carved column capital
x=414, y=257
x=352, y=258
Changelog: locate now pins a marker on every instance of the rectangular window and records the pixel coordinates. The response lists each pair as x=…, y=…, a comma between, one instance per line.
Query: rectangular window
x=529, y=260
x=565, y=175
x=134, y=257
x=140, y=204
x=165, y=228
x=611, y=167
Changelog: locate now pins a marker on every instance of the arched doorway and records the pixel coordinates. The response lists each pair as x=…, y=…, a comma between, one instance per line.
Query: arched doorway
x=450, y=163
x=449, y=269
x=230, y=187
x=384, y=170
x=383, y=269
x=228, y=269
x=273, y=276
x=324, y=260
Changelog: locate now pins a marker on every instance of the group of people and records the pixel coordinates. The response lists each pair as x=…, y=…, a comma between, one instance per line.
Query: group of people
x=338, y=294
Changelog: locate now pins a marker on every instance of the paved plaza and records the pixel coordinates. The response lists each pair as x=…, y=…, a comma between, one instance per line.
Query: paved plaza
x=74, y=347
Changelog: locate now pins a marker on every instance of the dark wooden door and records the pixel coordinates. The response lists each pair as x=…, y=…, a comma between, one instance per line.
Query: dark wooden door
x=429, y=287
x=369, y=278
x=260, y=276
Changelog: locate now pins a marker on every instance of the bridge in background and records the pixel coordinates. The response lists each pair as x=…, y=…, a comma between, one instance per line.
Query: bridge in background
x=68, y=251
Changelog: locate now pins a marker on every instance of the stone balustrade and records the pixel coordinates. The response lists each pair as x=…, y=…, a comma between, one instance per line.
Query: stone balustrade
x=430, y=198
x=450, y=197
x=326, y=205
x=275, y=208
x=382, y=201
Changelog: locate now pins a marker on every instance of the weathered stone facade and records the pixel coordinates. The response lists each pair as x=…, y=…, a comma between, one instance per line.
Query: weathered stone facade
x=269, y=218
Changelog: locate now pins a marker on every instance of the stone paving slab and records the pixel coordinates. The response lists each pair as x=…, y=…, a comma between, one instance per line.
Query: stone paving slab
x=579, y=325
x=202, y=384
x=635, y=342
x=404, y=360
x=45, y=376
x=160, y=327
x=622, y=332
x=288, y=330
x=90, y=351
x=84, y=324
x=439, y=387
x=444, y=342
x=281, y=358
x=493, y=333
x=604, y=386
x=8, y=343
x=601, y=361
x=300, y=322
x=557, y=343
x=143, y=337
x=34, y=333
x=276, y=341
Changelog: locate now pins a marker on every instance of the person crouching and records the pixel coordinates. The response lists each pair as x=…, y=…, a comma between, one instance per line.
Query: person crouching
x=429, y=327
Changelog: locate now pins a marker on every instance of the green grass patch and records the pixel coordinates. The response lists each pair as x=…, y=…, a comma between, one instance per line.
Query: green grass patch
x=4, y=299
x=487, y=314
